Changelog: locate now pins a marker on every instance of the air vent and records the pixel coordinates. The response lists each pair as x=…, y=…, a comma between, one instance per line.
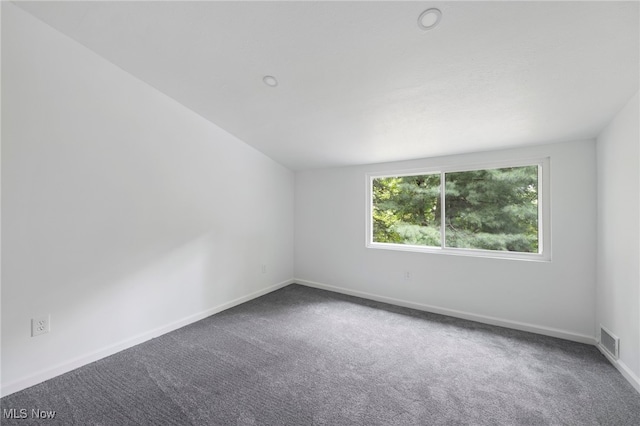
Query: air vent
x=609, y=342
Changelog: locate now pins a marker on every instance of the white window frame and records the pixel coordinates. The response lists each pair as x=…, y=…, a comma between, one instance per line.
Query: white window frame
x=544, y=210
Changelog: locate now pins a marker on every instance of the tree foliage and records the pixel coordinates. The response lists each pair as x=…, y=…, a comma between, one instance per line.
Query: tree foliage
x=493, y=209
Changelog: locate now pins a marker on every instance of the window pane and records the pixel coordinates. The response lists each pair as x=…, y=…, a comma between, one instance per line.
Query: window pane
x=406, y=210
x=494, y=209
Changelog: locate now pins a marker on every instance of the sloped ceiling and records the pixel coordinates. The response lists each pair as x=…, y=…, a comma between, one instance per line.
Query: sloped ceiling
x=360, y=82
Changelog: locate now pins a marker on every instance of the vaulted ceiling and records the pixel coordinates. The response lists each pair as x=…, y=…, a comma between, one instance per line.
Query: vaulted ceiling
x=360, y=82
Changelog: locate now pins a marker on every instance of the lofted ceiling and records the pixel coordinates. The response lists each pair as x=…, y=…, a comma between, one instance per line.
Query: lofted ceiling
x=360, y=82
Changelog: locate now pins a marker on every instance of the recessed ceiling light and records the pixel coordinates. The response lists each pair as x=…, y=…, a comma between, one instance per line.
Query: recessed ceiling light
x=429, y=19
x=270, y=80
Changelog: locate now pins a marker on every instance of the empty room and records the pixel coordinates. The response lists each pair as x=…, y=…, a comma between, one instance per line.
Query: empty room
x=320, y=213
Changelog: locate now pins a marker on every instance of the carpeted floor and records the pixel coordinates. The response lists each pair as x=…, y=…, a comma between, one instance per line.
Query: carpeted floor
x=301, y=356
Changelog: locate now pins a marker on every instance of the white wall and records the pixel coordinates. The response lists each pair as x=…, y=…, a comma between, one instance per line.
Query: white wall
x=618, y=288
x=124, y=213
x=555, y=298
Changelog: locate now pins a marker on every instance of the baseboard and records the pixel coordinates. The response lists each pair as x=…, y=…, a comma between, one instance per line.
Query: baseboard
x=82, y=360
x=532, y=328
x=622, y=368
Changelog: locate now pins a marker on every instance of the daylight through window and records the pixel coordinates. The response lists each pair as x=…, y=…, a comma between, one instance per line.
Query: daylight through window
x=493, y=209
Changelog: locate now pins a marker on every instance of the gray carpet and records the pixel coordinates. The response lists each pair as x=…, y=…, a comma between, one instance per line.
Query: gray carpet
x=301, y=356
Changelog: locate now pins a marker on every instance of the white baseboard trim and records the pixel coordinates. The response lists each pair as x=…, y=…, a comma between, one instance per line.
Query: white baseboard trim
x=82, y=360
x=547, y=331
x=622, y=368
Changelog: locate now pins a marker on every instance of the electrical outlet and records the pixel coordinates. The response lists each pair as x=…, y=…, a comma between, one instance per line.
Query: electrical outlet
x=263, y=268
x=40, y=325
x=407, y=275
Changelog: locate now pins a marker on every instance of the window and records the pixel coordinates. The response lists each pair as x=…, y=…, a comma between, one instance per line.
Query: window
x=493, y=211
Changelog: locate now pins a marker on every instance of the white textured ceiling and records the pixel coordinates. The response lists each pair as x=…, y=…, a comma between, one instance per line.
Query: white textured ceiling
x=359, y=82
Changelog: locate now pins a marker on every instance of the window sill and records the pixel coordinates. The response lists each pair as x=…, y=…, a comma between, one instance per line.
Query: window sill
x=504, y=255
